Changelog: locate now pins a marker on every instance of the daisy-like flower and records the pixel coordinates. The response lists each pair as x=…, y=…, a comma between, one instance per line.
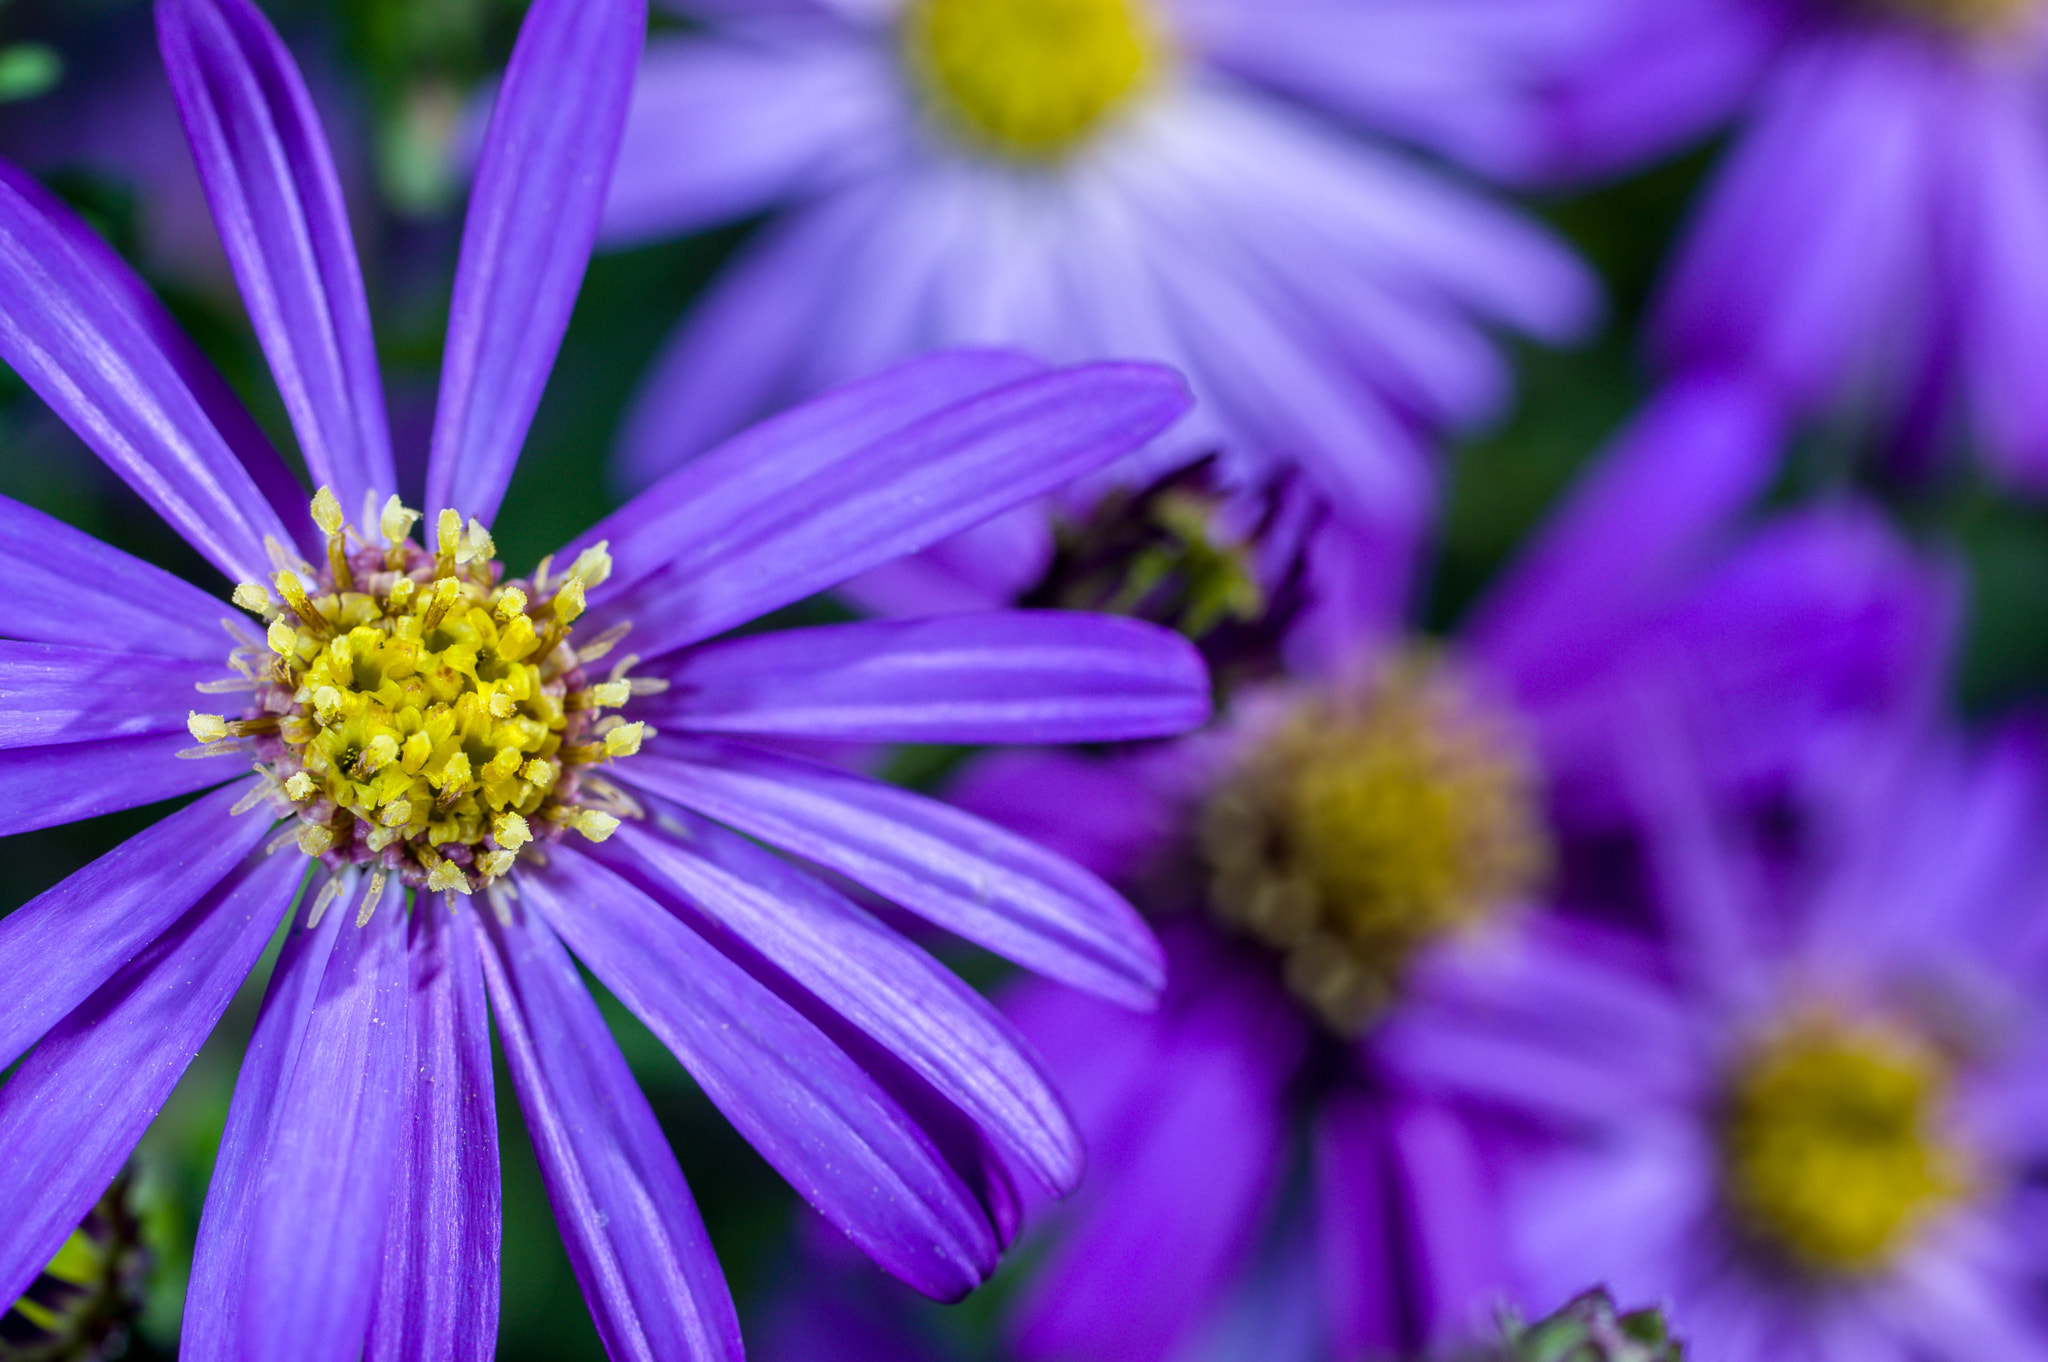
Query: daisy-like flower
x=1870, y=245
x=1088, y=178
x=1310, y=857
x=1814, y=1123
x=451, y=779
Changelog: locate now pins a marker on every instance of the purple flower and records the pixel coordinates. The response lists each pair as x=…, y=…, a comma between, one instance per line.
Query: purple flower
x=1813, y=1123
x=1311, y=857
x=1091, y=177
x=467, y=797
x=1871, y=246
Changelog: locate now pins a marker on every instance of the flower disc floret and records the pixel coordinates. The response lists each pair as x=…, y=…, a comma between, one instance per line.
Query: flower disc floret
x=1030, y=79
x=417, y=714
x=1831, y=1149
x=1368, y=824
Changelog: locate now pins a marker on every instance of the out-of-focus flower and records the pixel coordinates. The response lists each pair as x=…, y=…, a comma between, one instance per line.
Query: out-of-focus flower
x=427, y=730
x=1308, y=858
x=1086, y=178
x=85, y=1302
x=1813, y=1123
x=1871, y=245
x=1589, y=1329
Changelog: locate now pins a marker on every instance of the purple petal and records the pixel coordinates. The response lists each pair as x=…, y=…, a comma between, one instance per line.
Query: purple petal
x=870, y=976
x=722, y=129
x=439, y=1293
x=740, y=539
x=1458, y=1250
x=332, y=1154
x=57, y=949
x=277, y=202
x=1104, y=816
x=46, y=787
x=811, y=1111
x=52, y=695
x=66, y=587
x=785, y=451
x=83, y=333
x=632, y=1232
x=540, y=186
x=970, y=877
x=1006, y=677
x=1358, y=1246
x=213, y=1299
x=73, y=1111
x=1181, y=1179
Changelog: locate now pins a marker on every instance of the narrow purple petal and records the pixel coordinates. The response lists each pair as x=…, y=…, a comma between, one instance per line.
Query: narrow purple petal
x=970, y=877
x=867, y=974
x=66, y=587
x=1458, y=1248
x=1180, y=1184
x=739, y=539
x=633, y=1235
x=786, y=450
x=76, y=1107
x=213, y=1299
x=82, y=332
x=276, y=199
x=52, y=695
x=332, y=1156
x=540, y=188
x=439, y=1293
x=46, y=787
x=57, y=949
x=1006, y=677
x=1358, y=1248
x=1105, y=816
x=811, y=1111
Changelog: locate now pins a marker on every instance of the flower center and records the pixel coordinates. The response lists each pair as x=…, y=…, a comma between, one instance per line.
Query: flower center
x=1829, y=1149
x=1029, y=78
x=1975, y=18
x=418, y=715
x=1367, y=826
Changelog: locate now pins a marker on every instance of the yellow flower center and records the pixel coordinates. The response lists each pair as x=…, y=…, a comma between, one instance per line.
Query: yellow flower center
x=419, y=715
x=1830, y=1150
x=1030, y=79
x=1368, y=826
x=1973, y=18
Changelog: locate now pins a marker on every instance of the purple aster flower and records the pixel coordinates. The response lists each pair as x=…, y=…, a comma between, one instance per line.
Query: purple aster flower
x=1814, y=1123
x=1084, y=178
x=1310, y=856
x=1871, y=244
x=450, y=794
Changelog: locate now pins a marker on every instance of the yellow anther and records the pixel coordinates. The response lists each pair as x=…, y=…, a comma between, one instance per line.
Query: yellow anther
x=413, y=755
x=511, y=831
x=327, y=512
x=446, y=592
x=496, y=863
x=517, y=641
x=301, y=787
x=503, y=766
x=315, y=839
x=397, y=521
x=511, y=604
x=456, y=775
x=593, y=823
x=327, y=703
x=294, y=593
x=381, y=751
x=283, y=639
x=624, y=741
x=447, y=539
x=401, y=594
x=252, y=596
x=593, y=566
x=396, y=814
x=476, y=545
x=604, y=695
x=539, y=773
x=568, y=604
x=444, y=875
x=207, y=728
x=372, y=898
x=502, y=705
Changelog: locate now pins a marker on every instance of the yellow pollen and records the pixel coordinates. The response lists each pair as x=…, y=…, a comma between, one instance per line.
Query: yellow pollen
x=412, y=717
x=1030, y=79
x=1369, y=824
x=1830, y=1146
x=253, y=596
x=327, y=512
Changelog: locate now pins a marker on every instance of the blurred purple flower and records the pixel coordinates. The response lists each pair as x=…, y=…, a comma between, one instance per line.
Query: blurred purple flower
x=1094, y=177
x=423, y=725
x=1347, y=827
x=1872, y=245
x=1815, y=1123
